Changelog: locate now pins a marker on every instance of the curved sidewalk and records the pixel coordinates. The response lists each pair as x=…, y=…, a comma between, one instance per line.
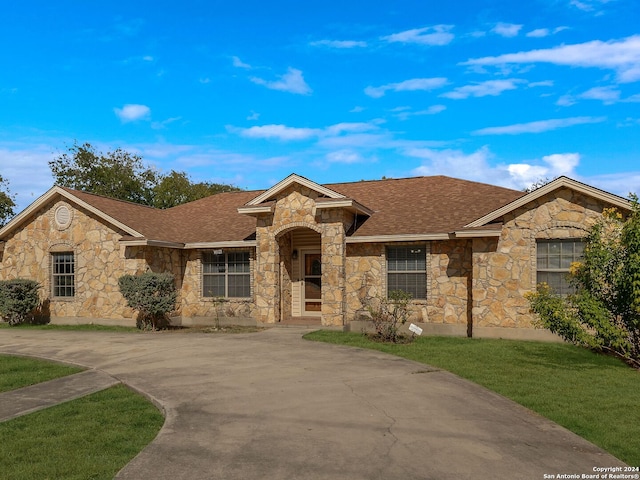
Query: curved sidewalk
x=270, y=405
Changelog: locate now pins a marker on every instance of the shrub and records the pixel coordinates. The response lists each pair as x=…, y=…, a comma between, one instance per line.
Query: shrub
x=604, y=312
x=18, y=297
x=388, y=314
x=152, y=294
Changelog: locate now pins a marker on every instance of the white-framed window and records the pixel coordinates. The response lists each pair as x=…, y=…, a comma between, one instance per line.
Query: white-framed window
x=226, y=274
x=553, y=260
x=63, y=274
x=407, y=270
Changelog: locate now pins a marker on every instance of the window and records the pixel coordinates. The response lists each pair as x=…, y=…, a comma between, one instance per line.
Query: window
x=63, y=274
x=226, y=274
x=407, y=270
x=553, y=261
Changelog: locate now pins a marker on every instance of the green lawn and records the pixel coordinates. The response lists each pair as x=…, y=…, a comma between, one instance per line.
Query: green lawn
x=595, y=396
x=80, y=328
x=18, y=372
x=89, y=438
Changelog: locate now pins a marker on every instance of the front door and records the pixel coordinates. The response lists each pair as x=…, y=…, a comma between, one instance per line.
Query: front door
x=312, y=288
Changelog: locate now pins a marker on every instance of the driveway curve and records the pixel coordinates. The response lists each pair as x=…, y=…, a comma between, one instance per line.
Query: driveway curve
x=271, y=405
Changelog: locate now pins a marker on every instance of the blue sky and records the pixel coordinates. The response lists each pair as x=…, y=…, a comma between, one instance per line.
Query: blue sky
x=248, y=92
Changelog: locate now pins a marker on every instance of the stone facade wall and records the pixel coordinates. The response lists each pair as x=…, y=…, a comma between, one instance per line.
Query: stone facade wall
x=504, y=269
x=449, y=282
x=99, y=262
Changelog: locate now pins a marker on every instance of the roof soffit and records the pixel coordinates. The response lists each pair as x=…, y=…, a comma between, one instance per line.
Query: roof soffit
x=560, y=182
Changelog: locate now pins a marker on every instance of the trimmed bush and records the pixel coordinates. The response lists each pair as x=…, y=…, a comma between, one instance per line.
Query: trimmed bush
x=388, y=314
x=153, y=295
x=18, y=298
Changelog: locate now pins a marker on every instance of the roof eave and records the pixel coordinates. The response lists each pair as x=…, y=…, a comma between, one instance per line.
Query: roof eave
x=548, y=188
x=290, y=180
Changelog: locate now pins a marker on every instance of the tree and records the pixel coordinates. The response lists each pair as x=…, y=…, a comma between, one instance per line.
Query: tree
x=117, y=174
x=7, y=203
x=604, y=311
x=122, y=175
x=177, y=188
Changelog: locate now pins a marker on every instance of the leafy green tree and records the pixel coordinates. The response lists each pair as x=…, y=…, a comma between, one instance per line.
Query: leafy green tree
x=117, y=174
x=177, y=188
x=604, y=311
x=122, y=175
x=7, y=203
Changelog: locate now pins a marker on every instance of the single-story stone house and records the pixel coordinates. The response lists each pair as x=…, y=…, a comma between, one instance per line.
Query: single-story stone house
x=467, y=252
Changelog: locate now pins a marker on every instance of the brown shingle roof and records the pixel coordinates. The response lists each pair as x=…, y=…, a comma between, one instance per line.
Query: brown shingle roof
x=418, y=205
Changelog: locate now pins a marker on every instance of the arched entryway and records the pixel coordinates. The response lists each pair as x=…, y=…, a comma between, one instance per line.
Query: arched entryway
x=301, y=276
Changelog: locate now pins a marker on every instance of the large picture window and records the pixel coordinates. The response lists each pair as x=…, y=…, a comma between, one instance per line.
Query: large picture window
x=407, y=270
x=554, y=258
x=63, y=274
x=226, y=274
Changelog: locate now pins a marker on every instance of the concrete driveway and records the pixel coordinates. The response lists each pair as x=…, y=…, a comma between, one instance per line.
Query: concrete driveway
x=270, y=405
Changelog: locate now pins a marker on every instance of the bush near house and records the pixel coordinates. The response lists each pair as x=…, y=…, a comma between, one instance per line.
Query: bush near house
x=153, y=295
x=604, y=312
x=18, y=298
x=388, y=314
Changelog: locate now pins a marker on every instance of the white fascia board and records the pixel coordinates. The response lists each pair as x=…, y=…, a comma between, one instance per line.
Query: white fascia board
x=228, y=244
x=291, y=179
x=254, y=210
x=143, y=242
x=477, y=233
x=548, y=188
x=345, y=203
x=45, y=197
x=399, y=238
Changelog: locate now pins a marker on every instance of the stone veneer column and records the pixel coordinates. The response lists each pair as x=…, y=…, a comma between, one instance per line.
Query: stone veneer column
x=266, y=281
x=333, y=274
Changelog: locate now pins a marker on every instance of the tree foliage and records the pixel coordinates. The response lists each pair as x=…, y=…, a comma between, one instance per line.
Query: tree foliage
x=604, y=311
x=18, y=298
x=177, y=188
x=152, y=294
x=7, y=203
x=124, y=176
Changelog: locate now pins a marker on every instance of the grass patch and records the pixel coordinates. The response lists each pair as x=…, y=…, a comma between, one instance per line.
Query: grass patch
x=77, y=328
x=89, y=438
x=592, y=395
x=18, y=372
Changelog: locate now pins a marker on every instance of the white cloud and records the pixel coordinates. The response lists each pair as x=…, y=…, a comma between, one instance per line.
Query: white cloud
x=483, y=89
x=436, y=35
x=543, y=83
x=163, y=124
x=408, y=85
x=344, y=156
x=279, y=132
x=607, y=95
x=338, y=43
x=403, y=113
x=455, y=163
x=292, y=82
x=506, y=29
x=285, y=133
x=538, y=127
x=544, y=32
x=539, y=33
x=589, y=5
x=240, y=64
x=623, y=56
x=253, y=116
x=132, y=112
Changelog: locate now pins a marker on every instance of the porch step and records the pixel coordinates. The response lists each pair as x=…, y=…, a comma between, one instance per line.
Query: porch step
x=301, y=322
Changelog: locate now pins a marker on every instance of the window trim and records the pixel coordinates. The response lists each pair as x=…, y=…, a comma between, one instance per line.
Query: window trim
x=53, y=275
x=226, y=274
x=388, y=272
x=548, y=270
